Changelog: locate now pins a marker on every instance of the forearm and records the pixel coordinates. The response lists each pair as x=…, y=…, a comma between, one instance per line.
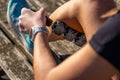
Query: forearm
x=43, y=60
x=34, y=23
x=85, y=64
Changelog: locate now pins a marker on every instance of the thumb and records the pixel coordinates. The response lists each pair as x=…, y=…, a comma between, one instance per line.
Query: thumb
x=42, y=15
x=42, y=12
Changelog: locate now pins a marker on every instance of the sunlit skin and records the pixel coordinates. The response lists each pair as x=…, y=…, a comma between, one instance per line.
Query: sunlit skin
x=83, y=15
x=85, y=64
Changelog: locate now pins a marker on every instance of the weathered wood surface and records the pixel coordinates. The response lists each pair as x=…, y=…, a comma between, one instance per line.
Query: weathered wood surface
x=10, y=33
x=3, y=75
x=14, y=58
x=12, y=62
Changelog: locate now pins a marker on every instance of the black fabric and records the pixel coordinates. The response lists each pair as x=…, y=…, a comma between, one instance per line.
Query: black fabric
x=106, y=41
x=59, y=58
x=56, y=58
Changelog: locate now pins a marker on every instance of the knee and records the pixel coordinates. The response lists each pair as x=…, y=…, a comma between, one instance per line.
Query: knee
x=81, y=3
x=77, y=4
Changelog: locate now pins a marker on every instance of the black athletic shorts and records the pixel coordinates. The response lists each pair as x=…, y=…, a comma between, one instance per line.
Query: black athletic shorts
x=106, y=41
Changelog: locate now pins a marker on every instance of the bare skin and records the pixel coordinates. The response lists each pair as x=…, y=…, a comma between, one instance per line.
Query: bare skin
x=85, y=64
x=83, y=15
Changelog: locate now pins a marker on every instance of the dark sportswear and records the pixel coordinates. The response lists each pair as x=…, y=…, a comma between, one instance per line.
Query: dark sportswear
x=106, y=41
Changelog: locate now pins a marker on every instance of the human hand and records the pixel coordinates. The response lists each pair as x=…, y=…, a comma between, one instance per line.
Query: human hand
x=29, y=19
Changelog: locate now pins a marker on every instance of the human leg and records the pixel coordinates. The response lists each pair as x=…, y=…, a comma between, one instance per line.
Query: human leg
x=90, y=14
x=83, y=15
x=67, y=13
x=77, y=12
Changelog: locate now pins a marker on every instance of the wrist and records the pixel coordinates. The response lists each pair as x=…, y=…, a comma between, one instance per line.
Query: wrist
x=37, y=29
x=41, y=37
x=38, y=23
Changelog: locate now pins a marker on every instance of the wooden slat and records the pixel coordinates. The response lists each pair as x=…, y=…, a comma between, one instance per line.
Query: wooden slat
x=15, y=39
x=12, y=62
x=3, y=75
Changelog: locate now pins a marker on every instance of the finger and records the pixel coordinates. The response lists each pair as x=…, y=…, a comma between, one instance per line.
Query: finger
x=25, y=10
x=20, y=18
x=23, y=30
x=44, y=12
x=44, y=15
x=41, y=11
x=20, y=25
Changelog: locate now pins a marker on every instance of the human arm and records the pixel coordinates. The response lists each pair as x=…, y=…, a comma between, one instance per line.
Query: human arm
x=43, y=60
x=84, y=64
x=96, y=59
x=27, y=20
